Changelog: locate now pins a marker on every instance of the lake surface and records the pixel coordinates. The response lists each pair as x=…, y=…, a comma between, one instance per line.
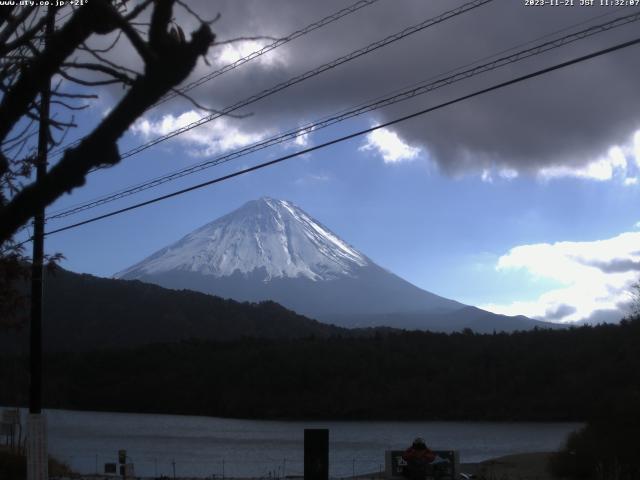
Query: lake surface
x=206, y=446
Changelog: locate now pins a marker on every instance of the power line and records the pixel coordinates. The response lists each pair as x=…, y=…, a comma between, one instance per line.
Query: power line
x=416, y=90
x=309, y=74
x=267, y=48
x=300, y=78
x=312, y=73
x=422, y=89
x=253, y=55
x=356, y=134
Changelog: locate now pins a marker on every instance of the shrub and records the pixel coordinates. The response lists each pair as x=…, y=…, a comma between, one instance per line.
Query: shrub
x=605, y=449
x=13, y=466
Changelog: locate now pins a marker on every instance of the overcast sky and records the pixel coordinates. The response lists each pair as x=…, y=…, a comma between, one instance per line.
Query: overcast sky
x=521, y=201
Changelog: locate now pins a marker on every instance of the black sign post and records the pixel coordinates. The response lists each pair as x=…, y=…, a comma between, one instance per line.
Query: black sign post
x=316, y=454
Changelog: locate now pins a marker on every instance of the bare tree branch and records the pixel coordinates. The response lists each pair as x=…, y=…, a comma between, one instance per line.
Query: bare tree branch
x=196, y=16
x=74, y=95
x=207, y=109
x=68, y=106
x=97, y=67
x=23, y=38
x=168, y=61
x=105, y=49
x=106, y=61
x=13, y=23
x=138, y=10
x=88, y=83
x=62, y=43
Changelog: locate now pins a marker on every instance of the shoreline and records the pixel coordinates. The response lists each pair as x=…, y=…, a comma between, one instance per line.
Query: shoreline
x=319, y=419
x=509, y=460
x=520, y=466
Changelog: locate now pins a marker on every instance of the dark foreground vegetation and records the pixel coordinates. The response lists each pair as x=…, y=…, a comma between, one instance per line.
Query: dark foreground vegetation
x=13, y=466
x=574, y=374
x=81, y=314
x=607, y=448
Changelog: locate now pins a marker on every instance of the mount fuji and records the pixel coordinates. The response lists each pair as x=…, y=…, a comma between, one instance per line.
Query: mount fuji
x=272, y=250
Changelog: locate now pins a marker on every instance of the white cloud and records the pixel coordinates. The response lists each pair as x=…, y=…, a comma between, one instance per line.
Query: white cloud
x=390, y=146
x=302, y=140
x=508, y=173
x=488, y=175
x=232, y=52
x=312, y=179
x=595, y=277
x=621, y=162
x=211, y=138
x=602, y=169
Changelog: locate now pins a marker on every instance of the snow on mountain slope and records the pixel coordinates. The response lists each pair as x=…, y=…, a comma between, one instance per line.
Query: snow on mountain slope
x=268, y=234
x=271, y=250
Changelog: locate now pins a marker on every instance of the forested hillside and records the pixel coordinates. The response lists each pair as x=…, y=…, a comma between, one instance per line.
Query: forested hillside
x=83, y=312
x=540, y=375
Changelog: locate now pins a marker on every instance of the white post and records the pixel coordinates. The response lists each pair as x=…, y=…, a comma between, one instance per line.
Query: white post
x=37, y=461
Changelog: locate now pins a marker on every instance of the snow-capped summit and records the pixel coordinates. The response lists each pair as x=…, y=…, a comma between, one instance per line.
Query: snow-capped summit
x=272, y=250
x=266, y=235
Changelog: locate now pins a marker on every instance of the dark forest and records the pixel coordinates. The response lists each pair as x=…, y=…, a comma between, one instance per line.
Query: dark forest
x=542, y=375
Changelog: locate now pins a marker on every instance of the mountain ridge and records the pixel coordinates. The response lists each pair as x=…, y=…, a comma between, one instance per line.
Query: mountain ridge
x=84, y=312
x=270, y=249
x=284, y=240
x=82, y=315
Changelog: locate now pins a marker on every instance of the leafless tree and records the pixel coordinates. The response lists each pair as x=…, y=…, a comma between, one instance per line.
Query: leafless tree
x=28, y=63
x=634, y=304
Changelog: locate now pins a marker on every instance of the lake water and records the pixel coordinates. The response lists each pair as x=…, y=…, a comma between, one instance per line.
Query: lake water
x=206, y=446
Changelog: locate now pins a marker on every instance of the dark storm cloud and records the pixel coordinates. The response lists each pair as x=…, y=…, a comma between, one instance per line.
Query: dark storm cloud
x=615, y=266
x=567, y=118
x=603, y=316
x=559, y=312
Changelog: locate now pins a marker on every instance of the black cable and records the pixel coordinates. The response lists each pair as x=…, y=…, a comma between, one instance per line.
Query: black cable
x=309, y=74
x=416, y=90
x=356, y=134
x=312, y=73
x=253, y=55
x=305, y=76
x=267, y=48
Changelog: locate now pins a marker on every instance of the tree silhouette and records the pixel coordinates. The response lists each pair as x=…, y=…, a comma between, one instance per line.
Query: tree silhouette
x=167, y=57
x=75, y=68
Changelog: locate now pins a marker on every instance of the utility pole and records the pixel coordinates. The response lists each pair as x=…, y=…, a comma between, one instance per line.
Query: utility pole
x=37, y=456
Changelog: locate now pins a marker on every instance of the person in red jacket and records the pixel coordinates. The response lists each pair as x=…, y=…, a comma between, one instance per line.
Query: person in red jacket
x=418, y=456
